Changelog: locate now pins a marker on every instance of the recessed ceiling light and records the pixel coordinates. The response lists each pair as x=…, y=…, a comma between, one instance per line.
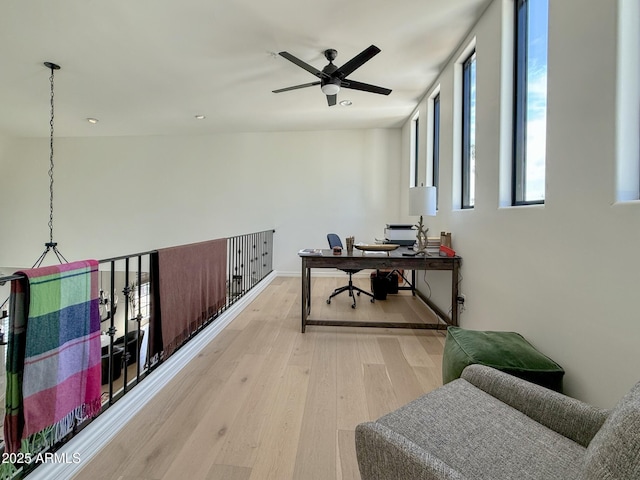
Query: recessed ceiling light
x=200, y=117
x=92, y=121
x=346, y=103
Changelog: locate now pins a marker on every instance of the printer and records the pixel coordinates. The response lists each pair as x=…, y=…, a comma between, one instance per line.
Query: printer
x=400, y=233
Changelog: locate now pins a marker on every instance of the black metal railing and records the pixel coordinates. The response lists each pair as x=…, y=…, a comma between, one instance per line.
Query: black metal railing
x=250, y=259
x=121, y=345
x=125, y=323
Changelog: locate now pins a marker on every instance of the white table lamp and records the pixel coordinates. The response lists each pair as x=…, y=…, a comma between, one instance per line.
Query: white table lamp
x=422, y=201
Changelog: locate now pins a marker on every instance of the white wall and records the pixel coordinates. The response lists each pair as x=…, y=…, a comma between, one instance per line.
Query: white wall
x=565, y=274
x=115, y=196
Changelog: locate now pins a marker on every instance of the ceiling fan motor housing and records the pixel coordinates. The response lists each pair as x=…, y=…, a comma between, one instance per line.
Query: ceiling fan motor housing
x=331, y=79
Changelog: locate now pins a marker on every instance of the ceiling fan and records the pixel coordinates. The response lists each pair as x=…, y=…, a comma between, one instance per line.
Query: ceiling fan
x=332, y=78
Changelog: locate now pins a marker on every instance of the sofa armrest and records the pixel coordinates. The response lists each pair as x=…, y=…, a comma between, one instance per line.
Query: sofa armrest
x=385, y=454
x=569, y=417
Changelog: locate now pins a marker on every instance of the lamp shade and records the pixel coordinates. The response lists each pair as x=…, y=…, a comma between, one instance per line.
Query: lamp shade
x=422, y=201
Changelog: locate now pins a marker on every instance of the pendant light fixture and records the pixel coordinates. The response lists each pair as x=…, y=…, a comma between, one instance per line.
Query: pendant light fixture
x=51, y=246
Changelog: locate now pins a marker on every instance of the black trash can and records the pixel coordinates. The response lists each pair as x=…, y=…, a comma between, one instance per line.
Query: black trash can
x=392, y=287
x=383, y=283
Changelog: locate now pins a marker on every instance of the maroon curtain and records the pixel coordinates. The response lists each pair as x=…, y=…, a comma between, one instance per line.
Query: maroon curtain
x=190, y=287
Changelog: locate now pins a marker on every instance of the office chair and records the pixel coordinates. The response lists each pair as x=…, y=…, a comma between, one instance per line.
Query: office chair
x=334, y=241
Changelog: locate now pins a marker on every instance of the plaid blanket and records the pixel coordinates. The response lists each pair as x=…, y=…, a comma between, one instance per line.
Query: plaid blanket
x=53, y=354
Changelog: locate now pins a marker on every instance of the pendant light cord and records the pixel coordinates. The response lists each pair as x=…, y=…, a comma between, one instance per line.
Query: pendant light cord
x=51, y=164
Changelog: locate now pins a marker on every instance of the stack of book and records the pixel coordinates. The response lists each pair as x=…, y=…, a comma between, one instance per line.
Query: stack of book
x=433, y=245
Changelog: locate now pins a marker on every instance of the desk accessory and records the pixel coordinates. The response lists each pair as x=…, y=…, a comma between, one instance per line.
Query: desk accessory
x=385, y=247
x=446, y=251
x=350, y=241
x=402, y=234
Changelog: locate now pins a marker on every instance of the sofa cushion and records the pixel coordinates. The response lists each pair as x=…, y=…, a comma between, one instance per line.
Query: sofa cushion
x=614, y=452
x=481, y=437
x=505, y=351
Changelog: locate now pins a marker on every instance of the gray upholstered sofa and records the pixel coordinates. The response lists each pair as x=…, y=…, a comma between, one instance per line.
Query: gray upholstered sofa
x=491, y=425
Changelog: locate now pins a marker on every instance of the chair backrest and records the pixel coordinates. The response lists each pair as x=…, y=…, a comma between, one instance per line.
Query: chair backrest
x=334, y=240
x=614, y=452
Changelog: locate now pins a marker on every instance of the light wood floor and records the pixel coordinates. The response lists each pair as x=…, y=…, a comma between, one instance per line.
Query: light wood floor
x=264, y=401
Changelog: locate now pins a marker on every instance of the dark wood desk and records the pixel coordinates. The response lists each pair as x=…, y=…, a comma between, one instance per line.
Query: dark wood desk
x=393, y=261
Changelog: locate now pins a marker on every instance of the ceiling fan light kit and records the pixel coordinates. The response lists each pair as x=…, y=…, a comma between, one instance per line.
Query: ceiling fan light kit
x=333, y=78
x=330, y=88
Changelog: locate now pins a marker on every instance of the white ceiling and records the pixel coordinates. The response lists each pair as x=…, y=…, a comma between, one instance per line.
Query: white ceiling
x=147, y=67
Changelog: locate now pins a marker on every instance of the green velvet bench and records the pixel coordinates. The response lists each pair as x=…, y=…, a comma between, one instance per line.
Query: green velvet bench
x=505, y=351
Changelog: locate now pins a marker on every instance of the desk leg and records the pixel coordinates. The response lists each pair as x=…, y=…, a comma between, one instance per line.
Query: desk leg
x=454, y=294
x=413, y=283
x=306, y=294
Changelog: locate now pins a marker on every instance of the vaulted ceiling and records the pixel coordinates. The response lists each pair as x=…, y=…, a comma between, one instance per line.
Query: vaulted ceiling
x=148, y=67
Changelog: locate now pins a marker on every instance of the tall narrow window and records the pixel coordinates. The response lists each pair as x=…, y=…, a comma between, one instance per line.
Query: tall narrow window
x=530, y=102
x=628, y=102
x=469, y=131
x=435, y=154
x=414, y=150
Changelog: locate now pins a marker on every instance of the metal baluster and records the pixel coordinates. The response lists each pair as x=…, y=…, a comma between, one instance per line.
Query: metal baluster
x=112, y=328
x=127, y=297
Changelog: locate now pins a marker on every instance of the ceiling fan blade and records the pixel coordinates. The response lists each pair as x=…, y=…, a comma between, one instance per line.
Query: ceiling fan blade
x=304, y=65
x=357, y=61
x=295, y=87
x=365, y=87
x=331, y=100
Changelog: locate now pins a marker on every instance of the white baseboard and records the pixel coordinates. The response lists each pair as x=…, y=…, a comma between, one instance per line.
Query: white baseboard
x=92, y=439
